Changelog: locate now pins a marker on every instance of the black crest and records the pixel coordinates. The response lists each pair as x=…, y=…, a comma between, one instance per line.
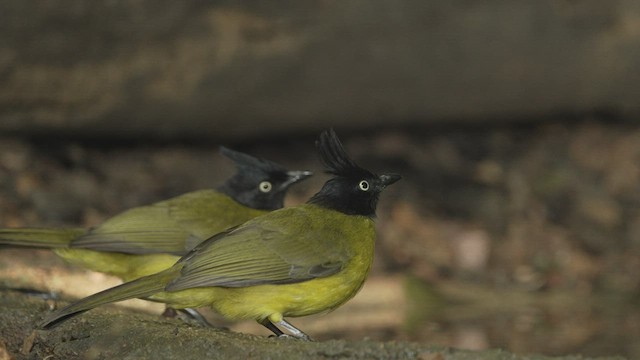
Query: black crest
x=246, y=161
x=352, y=189
x=335, y=158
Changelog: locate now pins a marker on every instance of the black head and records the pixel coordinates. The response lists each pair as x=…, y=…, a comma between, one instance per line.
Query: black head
x=352, y=190
x=259, y=183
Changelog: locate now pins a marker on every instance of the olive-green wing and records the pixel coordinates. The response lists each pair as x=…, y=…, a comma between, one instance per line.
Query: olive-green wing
x=285, y=246
x=172, y=226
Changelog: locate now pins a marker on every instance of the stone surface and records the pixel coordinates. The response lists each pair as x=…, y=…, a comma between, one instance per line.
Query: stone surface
x=127, y=335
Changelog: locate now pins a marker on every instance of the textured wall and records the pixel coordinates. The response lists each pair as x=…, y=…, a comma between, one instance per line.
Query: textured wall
x=184, y=68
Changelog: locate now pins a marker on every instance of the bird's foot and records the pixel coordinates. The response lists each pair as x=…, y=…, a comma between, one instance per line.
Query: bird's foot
x=295, y=332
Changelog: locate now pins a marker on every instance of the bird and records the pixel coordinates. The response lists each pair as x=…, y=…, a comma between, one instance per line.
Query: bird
x=147, y=239
x=292, y=262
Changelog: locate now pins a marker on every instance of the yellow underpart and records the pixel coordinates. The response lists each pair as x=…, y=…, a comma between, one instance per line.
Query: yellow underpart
x=202, y=213
x=288, y=300
x=125, y=266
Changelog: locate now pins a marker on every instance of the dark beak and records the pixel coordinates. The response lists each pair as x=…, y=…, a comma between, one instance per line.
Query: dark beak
x=296, y=176
x=388, y=179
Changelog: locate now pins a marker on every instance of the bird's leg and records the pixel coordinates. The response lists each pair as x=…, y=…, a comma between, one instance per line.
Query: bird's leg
x=195, y=315
x=189, y=313
x=169, y=312
x=269, y=325
x=295, y=332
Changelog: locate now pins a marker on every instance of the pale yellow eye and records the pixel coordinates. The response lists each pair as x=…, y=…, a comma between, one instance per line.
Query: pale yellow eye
x=364, y=185
x=265, y=186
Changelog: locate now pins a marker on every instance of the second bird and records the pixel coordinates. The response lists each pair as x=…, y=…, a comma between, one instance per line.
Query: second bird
x=148, y=239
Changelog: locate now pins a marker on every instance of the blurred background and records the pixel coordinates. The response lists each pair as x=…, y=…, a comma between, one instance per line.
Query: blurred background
x=514, y=125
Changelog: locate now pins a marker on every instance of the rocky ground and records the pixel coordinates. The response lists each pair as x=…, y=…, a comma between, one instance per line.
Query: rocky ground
x=522, y=237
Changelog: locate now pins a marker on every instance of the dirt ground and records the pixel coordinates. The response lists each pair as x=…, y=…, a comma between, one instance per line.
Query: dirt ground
x=525, y=238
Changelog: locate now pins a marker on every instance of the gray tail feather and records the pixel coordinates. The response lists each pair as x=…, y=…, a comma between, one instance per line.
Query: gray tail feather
x=139, y=288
